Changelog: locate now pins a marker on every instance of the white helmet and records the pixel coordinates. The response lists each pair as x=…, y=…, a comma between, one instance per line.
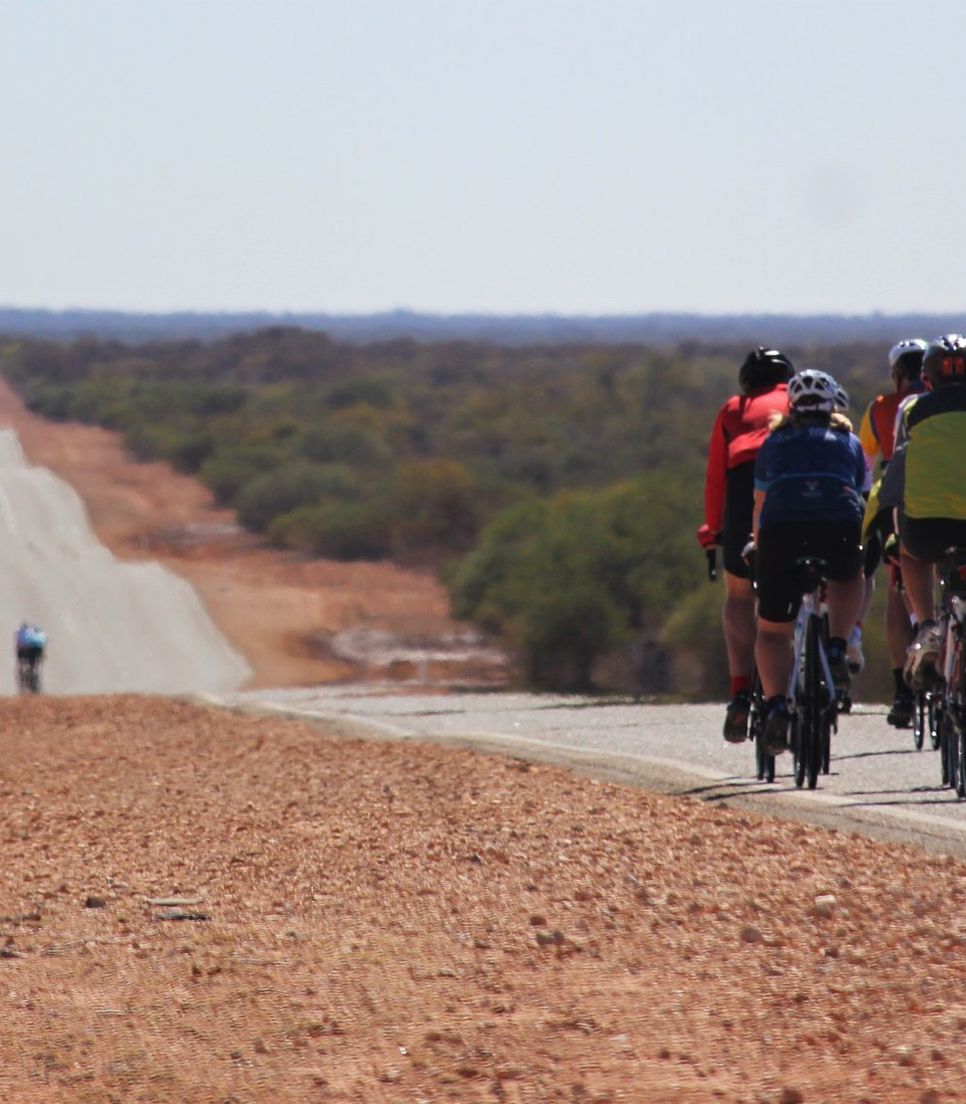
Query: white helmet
x=842, y=399
x=812, y=391
x=905, y=357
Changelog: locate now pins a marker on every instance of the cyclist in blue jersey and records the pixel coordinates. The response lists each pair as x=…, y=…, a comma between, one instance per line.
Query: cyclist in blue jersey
x=809, y=476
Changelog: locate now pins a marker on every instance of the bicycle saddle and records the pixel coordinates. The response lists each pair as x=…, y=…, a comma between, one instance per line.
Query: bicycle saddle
x=810, y=571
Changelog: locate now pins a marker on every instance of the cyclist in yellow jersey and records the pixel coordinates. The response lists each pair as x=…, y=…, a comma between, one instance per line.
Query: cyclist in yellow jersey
x=927, y=469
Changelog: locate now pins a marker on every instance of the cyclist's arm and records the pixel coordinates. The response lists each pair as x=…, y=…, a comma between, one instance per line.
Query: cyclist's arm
x=714, y=484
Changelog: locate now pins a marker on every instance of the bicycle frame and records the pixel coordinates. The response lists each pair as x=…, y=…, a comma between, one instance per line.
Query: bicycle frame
x=813, y=605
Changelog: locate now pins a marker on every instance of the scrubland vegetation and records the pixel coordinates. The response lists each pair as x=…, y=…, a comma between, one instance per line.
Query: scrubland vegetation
x=556, y=489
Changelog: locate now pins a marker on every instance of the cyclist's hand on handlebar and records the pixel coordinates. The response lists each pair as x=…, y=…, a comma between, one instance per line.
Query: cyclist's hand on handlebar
x=707, y=537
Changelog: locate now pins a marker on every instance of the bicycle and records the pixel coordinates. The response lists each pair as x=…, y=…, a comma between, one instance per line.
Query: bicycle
x=925, y=719
x=811, y=690
x=764, y=761
x=28, y=674
x=950, y=697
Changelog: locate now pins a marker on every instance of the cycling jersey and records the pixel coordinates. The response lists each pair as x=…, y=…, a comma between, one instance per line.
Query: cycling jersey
x=932, y=441
x=738, y=432
x=811, y=473
x=878, y=426
x=29, y=636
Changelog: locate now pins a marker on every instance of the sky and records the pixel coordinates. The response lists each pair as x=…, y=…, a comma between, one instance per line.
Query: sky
x=491, y=156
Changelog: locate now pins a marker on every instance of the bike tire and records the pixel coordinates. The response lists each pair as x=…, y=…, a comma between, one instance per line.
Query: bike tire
x=948, y=750
x=798, y=751
x=815, y=705
x=933, y=715
x=764, y=763
x=960, y=784
x=826, y=743
x=920, y=720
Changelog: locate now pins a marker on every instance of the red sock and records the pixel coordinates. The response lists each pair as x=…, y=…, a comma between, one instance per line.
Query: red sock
x=739, y=684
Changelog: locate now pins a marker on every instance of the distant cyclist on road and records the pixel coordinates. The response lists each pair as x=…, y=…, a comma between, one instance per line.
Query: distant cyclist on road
x=740, y=428
x=877, y=434
x=30, y=644
x=809, y=477
x=926, y=478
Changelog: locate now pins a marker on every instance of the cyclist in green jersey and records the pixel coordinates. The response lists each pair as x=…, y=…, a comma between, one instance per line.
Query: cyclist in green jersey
x=931, y=455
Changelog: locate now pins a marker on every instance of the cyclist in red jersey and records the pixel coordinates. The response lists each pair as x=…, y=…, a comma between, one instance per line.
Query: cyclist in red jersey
x=877, y=434
x=740, y=428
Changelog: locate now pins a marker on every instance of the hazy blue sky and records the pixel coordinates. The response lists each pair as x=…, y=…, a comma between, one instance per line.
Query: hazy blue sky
x=568, y=156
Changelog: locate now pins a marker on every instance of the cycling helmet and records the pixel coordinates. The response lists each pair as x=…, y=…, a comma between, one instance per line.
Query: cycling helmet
x=842, y=399
x=905, y=358
x=945, y=360
x=764, y=368
x=812, y=392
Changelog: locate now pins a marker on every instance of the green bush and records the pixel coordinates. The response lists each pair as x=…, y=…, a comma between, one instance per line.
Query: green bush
x=336, y=530
x=279, y=492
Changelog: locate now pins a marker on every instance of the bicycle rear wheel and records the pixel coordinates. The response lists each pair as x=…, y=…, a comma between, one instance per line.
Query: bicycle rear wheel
x=815, y=697
x=920, y=719
x=798, y=746
x=764, y=763
x=948, y=750
x=933, y=719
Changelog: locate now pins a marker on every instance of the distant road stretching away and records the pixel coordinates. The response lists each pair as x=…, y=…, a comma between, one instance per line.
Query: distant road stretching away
x=113, y=627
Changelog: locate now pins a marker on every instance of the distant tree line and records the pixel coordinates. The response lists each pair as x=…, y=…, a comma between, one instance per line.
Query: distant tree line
x=555, y=488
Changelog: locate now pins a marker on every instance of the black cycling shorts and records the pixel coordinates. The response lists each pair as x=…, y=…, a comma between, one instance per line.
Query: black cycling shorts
x=781, y=544
x=739, y=507
x=878, y=533
x=928, y=538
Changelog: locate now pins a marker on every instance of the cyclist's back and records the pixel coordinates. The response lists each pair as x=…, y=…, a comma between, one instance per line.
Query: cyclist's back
x=926, y=477
x=809, y=477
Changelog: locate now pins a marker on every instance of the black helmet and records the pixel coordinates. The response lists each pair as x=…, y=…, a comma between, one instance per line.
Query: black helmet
x=764, y=368
x=905, y=358
x=945, y=360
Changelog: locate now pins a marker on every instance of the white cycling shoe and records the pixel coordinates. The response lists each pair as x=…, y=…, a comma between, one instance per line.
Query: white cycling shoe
x=921, y=669
x=854, y=653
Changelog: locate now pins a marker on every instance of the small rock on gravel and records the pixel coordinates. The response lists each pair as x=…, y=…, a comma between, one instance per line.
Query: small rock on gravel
x=791, y=1096
x=181, y=914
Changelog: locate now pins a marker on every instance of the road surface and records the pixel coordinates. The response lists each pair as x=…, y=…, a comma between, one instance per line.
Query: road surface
x=113, y=627
x=878, y=783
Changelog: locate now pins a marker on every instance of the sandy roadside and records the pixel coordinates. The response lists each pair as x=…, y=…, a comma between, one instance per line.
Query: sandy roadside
x=200, y=906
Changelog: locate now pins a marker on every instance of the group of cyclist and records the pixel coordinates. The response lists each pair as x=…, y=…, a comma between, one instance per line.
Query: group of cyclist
x=788, y=479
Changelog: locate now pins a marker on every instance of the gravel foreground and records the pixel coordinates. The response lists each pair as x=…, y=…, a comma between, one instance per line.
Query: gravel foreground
x=199, y=906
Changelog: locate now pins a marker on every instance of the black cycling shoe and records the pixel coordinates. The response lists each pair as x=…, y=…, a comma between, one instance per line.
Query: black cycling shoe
x=736, y=718
x=777, y=720
x=903, y=708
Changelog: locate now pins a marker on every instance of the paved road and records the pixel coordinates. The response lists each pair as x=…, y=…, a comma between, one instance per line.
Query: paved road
x=112, y=626
x=878, y=783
